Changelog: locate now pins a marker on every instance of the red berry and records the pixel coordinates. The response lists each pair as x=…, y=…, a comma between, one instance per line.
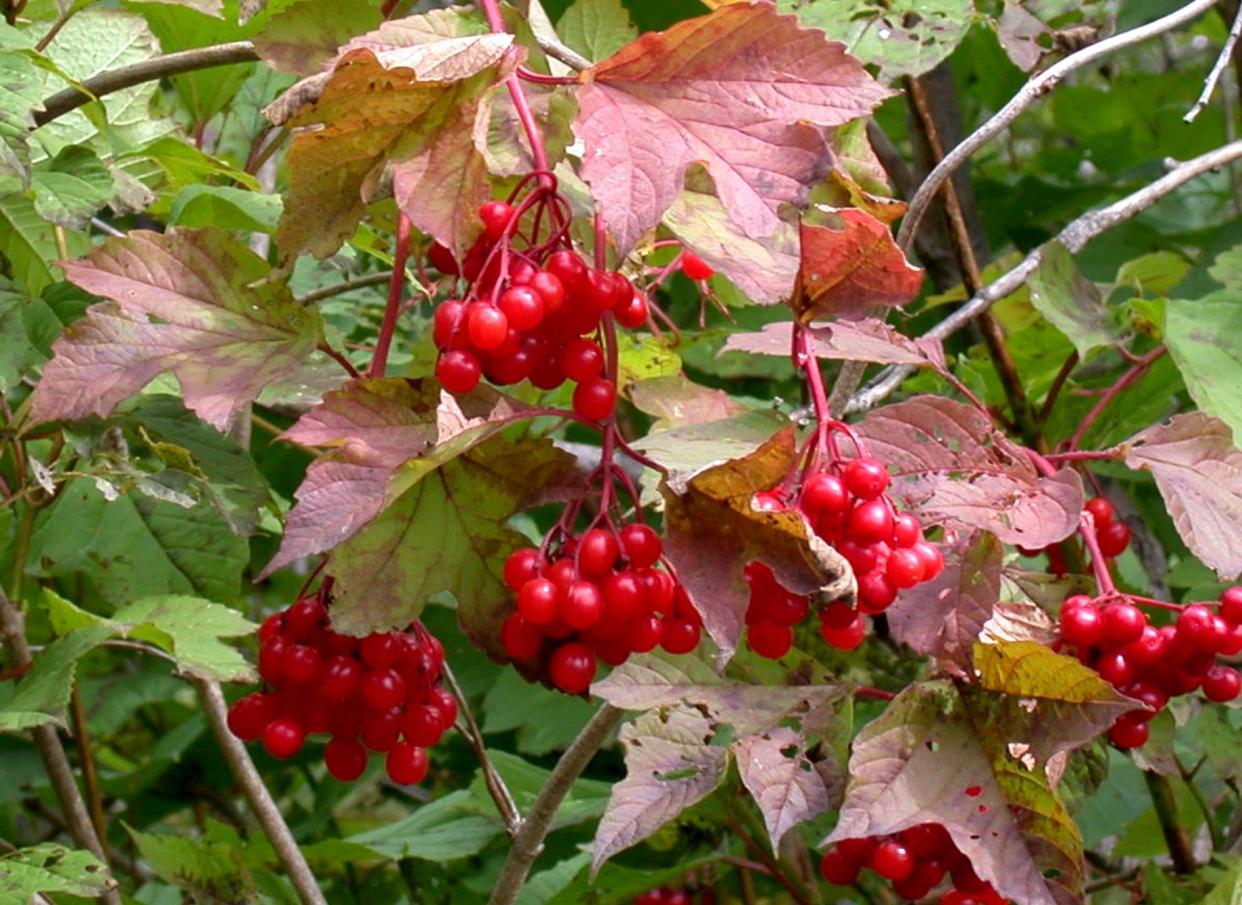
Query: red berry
x=449, y=324
x=623, y=597
x=522, y=308
x=602, y=293
x=1082, y=626
x=695, y=267
x=965, y=878
x=582, y=606
x=597, y=552
x=301, y=664
x=1123, y=623
x=1196, y=624
x=341, y=679
x=572, y=667
x=407, y=764
x=521, y=566
x=551, y=290
x=892, y=860
x=875, y=592
x=345, y=758
x=569, y=269
x=1148, y=650
x=644, y=633
x=769, y=639
x=836, y=868
x=442, y=259
x=537, y=601
x=1231, y=605
x=659, y=588
x=933, y=559
x=1115, y=669
x=283, y=738
x=1150, y=694
x=520, y=639
x=906, y=530
x=272, y=626
x=785, y=608
x=304, y=619
x=926, y=839
x=380, y=650
x=846, y=637
x=1221, y=684
x=582, y=360
x=1128, y=732
x=858, y=850
x=383, y=689
x=905, y=568
x=595, y=399
x=272, y=659
x=380, y=731
x=870, y=522
x=823, y=494
x=866, y=478
x=679, y=635
x=486, y=325
x=249, y=716
x=1102, y=511
x=1113, y=538
x=444, y=701
x=862, y=559
x=458, y=371
x=423, y=725
x=495, y=216
x=641, y=544
x=633, y=313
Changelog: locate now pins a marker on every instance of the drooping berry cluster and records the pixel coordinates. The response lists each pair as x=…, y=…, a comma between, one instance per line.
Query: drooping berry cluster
x=916, y=860
x=602, y=595
x=846, y=505
x=1112, y=636
x=376, y=694
x=664, y=896
x=1111, y=533
x=529, y=314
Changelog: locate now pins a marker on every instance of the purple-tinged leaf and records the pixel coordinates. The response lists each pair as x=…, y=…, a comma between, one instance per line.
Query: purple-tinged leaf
x=677, y=402
x=670, y=764
x=193, y=302
x=950, y=464
x=381, y=421
x=1019, y=620
x=1198, y=470
x=1021, y=33
x=741, y=91
x=867, y=340
x=943, y=617
x=786, y=786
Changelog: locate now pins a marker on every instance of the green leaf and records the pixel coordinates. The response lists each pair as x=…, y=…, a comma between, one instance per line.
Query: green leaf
x=1204, y=336
x=44, y=692
x=584, y=802
x=1071, y=302
x=444, y=830
x=212, y=871
x=226, y=207
x=1153, y=274
x=596, y=28
x=136, y=546
x=71, y=187
x=51, y=868
x=20, y=91
x=28, y=243
x=544, y=720
x=643, y=358
x=304, y=38
x=27, y=328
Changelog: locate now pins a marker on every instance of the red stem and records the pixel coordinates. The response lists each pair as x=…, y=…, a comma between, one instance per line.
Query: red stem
x=496, y=22
x=539, y=78
x=379, y=362
x=1083, y=455
x=339, y=359
x=1141, y=366
x=879, y=694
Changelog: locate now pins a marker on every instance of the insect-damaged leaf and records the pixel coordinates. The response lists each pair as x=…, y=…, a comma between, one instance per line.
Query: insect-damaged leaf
x=395, y=104
x=950, y=463
x=194, y=302
x=742, y=91
x=788, y=787
x=713, y=531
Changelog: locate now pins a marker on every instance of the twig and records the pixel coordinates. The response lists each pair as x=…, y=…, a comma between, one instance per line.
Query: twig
x=265, y=809
x=107, y=228
x=1058, y=384
x=1141, y=367
x=529, y=841
x=61, y=21
x=495, y=783
x=1226, y=53
x=566, y=55
x=150, y=70
x=86, y=759
x=1166, y=810
x=1074, y=237
x=1029, y=93
x=362, y=282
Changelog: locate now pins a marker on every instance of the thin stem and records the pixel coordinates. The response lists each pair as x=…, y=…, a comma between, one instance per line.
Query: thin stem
x=496, y=22
x=1032, y=91
x=1140, y=368
x=528, y=842
x=1209, y=85
x=495, y=784
x=1166, y=810
x=362, y=282
x=86, y=758
x=1084, y=455
x=340, y=359
x=775, y=868
x=261, y=802
x=1058, y=384
x=379, y=361
x=878, y=694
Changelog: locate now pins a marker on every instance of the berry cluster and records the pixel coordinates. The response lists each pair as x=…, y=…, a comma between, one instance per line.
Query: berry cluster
x=916, y=860
x=847, y=506
x=1112, y=635
x=601, y=596
x=1111, y=533
x=380, y=693
x=529, y=315
x=664, y=896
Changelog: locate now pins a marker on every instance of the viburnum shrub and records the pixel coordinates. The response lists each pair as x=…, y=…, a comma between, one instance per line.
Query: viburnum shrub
x=572, y=376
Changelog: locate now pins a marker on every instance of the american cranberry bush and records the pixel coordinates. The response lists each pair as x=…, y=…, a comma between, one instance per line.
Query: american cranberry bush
x=555, y=453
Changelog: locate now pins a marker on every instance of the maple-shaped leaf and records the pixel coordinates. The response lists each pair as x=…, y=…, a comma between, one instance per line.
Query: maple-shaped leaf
x=193, y=302
x=933, y=758
x=785, y=783
x=713, y=530
x=670, y=765
x=868, y=340
x=1198, y=470
x=848, y=271
x=943, y=617
x=395, y=105
x=949, y=463
x=741, y=91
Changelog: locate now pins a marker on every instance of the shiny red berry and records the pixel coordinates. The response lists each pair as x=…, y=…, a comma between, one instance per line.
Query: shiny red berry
x=495, y=216
x=572, y=667
x=641, y=545
x=407, y=764
x=458, y=371
x=870, y=522
x=1113, y=538
x=679, y=635
x=597, y=552
x=383, y=689
x=595, y=399
x=769, y=639
x=837, y=868
x=520, y=639
x=345, y=758
x=1128, y=732
x=695, y=267
x=1221, y=684
x=582, y=360
x=283, y=738
x=1102, y=511
x=866, y=478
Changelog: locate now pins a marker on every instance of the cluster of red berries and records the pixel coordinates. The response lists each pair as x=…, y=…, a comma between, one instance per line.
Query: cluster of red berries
x=916, y=860
x=376, y=694
x=1111, y=533
x=847, y=506
x=664, y=896
x=1150, y=664
x=601, y=596
x=533, y=322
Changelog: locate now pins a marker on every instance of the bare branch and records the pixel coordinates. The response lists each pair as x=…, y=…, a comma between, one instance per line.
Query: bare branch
x=265, y=809
x=362, y=282
x=528, y=843
x=1226, y=53
x=1032, y=91
x=559, y=51
x=159, y=67
x=1074, y=237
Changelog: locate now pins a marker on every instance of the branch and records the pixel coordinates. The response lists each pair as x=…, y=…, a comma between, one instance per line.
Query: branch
x=1226, y=53
x=1166, y=810
x=528, y=843
x=495, y=784
x=362, y=282
x=1032, y=91
x=150, y=70
x=1074, y=237
x=559, y=51
x=274, y=826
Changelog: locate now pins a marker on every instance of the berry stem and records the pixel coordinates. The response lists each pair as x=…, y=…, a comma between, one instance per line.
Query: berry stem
x=1141, y=366
x=379, y=361
x=1103, y=578
x=878, y=694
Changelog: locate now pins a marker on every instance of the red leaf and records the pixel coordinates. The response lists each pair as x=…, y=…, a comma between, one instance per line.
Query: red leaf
x=740, y=90
x=949, y=463
x=851, y=271
x=786, y=786
x=867, y=340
